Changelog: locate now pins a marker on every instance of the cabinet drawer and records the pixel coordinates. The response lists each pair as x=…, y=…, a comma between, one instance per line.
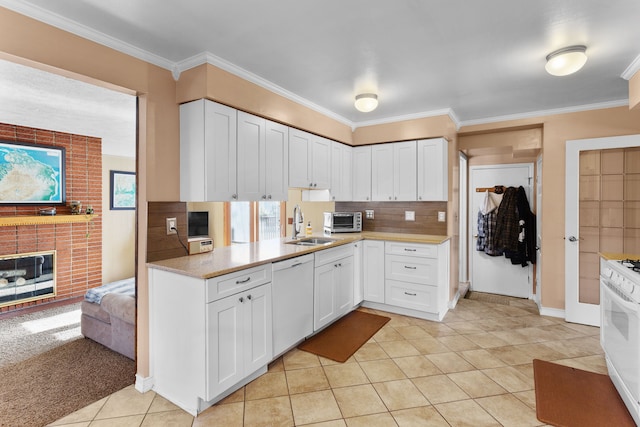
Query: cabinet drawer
x=326, y=256
x=411, y=269
x=411, y=249
x=229, y=284
x=411, y=295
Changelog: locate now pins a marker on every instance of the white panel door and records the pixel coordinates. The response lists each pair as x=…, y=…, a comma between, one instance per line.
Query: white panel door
x=496, y=274
x=258, y=338
x=220, y=141
x=320, y=162
x=298, y=158
x=433, y=169
x=373, y=270
x=575, y=310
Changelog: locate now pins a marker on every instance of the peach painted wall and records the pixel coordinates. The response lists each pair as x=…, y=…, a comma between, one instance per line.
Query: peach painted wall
x=208, y=81
x=558, y=129
x=33, y=43
x=634, y=91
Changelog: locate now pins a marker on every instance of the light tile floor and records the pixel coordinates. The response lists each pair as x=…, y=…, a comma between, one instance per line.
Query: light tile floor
x=473, y=369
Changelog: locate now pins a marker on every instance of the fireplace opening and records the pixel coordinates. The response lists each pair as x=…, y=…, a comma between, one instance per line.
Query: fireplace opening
x=27, y=277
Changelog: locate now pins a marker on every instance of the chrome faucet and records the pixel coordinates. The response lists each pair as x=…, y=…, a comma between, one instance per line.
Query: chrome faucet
x=298, y=220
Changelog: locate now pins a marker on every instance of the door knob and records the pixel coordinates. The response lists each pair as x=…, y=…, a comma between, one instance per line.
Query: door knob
x=572, y=238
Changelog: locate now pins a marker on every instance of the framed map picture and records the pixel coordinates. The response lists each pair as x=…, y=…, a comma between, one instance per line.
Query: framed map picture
x=123, y=190
x=31, y=174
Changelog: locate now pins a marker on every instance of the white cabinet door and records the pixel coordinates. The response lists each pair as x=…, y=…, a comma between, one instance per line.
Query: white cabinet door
x=344, y=286
x=258, y=338
x=277, y=162
x=433, y=170
x=320, y=163
x=207, y=151
x=341, y=165
x=404, y=171
x=362, y=174
x=299, y=142
x=239, y=338
x=225, y=345
x=373, y=270
x=251, y=157
x=324, y=297
x=382, y=172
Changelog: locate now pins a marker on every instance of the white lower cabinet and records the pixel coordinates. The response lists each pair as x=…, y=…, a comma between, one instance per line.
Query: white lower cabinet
x=373, y=270
x=208, y=337
x=407, y=278
x=332, y=285
x=239, y=334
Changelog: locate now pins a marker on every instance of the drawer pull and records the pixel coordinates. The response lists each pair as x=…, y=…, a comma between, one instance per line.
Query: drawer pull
x=296, y=264
x=410, y=294
x=249, y=297
x=243, y=281
x=410, y=250
x=241, y=299
x=410, y=268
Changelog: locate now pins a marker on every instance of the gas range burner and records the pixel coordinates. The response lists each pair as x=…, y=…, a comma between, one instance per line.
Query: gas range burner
x=633, y=264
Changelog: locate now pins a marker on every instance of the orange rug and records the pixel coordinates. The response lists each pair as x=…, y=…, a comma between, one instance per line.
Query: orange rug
x=344, y=337
x=568, y=397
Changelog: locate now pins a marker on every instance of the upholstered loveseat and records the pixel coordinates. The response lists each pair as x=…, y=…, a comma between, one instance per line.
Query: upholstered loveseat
x=109, y=316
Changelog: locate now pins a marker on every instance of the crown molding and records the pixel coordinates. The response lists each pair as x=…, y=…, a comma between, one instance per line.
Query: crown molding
x=83, y=31
x=414, y=116
x=632, y=69
x=211, y=59
x=541, y=113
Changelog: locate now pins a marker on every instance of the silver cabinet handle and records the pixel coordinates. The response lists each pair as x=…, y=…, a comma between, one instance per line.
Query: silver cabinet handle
x=241, y=299
x=269, y=197
x=410, y=268
x=296, y=264
x=249, y=297
x=243, y=281
x=410, y=250
x=389, y=197
x=234, y=196
x=264, y=197
x=410, y=294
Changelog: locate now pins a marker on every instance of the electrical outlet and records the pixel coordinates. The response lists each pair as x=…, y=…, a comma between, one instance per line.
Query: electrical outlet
x=409, y=215
x=441, y=216
x=172, y=226
x=368, y=213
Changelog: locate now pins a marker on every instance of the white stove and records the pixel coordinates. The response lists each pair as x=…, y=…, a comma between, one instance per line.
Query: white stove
x=620, y=328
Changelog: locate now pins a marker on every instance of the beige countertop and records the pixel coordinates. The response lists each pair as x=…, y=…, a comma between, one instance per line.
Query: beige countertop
x=229, y=259
x=617, y=255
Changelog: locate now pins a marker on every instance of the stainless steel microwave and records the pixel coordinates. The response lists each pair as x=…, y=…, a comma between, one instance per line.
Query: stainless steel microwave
x=342, y=222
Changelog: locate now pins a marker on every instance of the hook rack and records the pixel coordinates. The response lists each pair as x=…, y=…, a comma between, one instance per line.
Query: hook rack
x=498, y=189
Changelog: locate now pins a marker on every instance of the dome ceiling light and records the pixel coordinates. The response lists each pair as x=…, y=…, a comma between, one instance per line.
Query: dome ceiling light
x=567, y=60
x=366, y=102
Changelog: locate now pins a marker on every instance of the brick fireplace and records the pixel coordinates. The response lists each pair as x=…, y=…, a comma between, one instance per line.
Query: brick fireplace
x=78, y=244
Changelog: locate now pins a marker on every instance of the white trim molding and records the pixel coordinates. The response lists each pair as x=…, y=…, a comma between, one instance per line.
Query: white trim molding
x=144, y=384
x=632, y=69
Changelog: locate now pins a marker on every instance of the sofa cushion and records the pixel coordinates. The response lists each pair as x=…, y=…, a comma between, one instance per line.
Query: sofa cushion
x=124, y=286
x=121, y=306
x=94, y=310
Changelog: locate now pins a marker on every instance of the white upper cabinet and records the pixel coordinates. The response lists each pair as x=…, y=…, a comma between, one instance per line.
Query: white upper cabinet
x=277, y=162
x=361, y=173
x=262, y=159
x=393, y=171
x=341, y=162
x=309, y=160
x=404, y=171
x=251, y=159
x=433, y=169
x=207, y=151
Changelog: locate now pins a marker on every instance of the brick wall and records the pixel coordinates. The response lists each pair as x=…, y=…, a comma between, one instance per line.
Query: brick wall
x=78, y=245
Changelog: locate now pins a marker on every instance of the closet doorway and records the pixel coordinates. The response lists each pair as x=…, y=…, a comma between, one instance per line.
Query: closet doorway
x=496, y=274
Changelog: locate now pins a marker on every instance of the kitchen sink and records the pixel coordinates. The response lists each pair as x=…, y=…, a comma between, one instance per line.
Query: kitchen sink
x=313, y=241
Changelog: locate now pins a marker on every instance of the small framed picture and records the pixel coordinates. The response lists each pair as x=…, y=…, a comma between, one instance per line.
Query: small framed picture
x=123, y=190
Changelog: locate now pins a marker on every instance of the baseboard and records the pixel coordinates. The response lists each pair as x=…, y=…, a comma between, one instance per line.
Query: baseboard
x=144, y=384
x=454, y=301
x=551, y=312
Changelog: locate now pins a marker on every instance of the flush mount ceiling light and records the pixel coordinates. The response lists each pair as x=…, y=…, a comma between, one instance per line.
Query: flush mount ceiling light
x=366, y=102
x=566, y=61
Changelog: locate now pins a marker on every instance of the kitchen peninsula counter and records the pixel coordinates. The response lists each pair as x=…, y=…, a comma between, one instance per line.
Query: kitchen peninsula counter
x=229, y=259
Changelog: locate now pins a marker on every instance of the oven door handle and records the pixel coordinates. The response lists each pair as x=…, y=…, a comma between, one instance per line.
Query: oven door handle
x=621, y=298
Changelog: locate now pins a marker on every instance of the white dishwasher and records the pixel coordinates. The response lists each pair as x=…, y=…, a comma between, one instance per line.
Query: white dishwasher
x=292, y=300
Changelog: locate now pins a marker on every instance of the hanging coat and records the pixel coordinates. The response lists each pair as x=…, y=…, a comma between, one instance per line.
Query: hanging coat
x=507, y=222
x=486, y=227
